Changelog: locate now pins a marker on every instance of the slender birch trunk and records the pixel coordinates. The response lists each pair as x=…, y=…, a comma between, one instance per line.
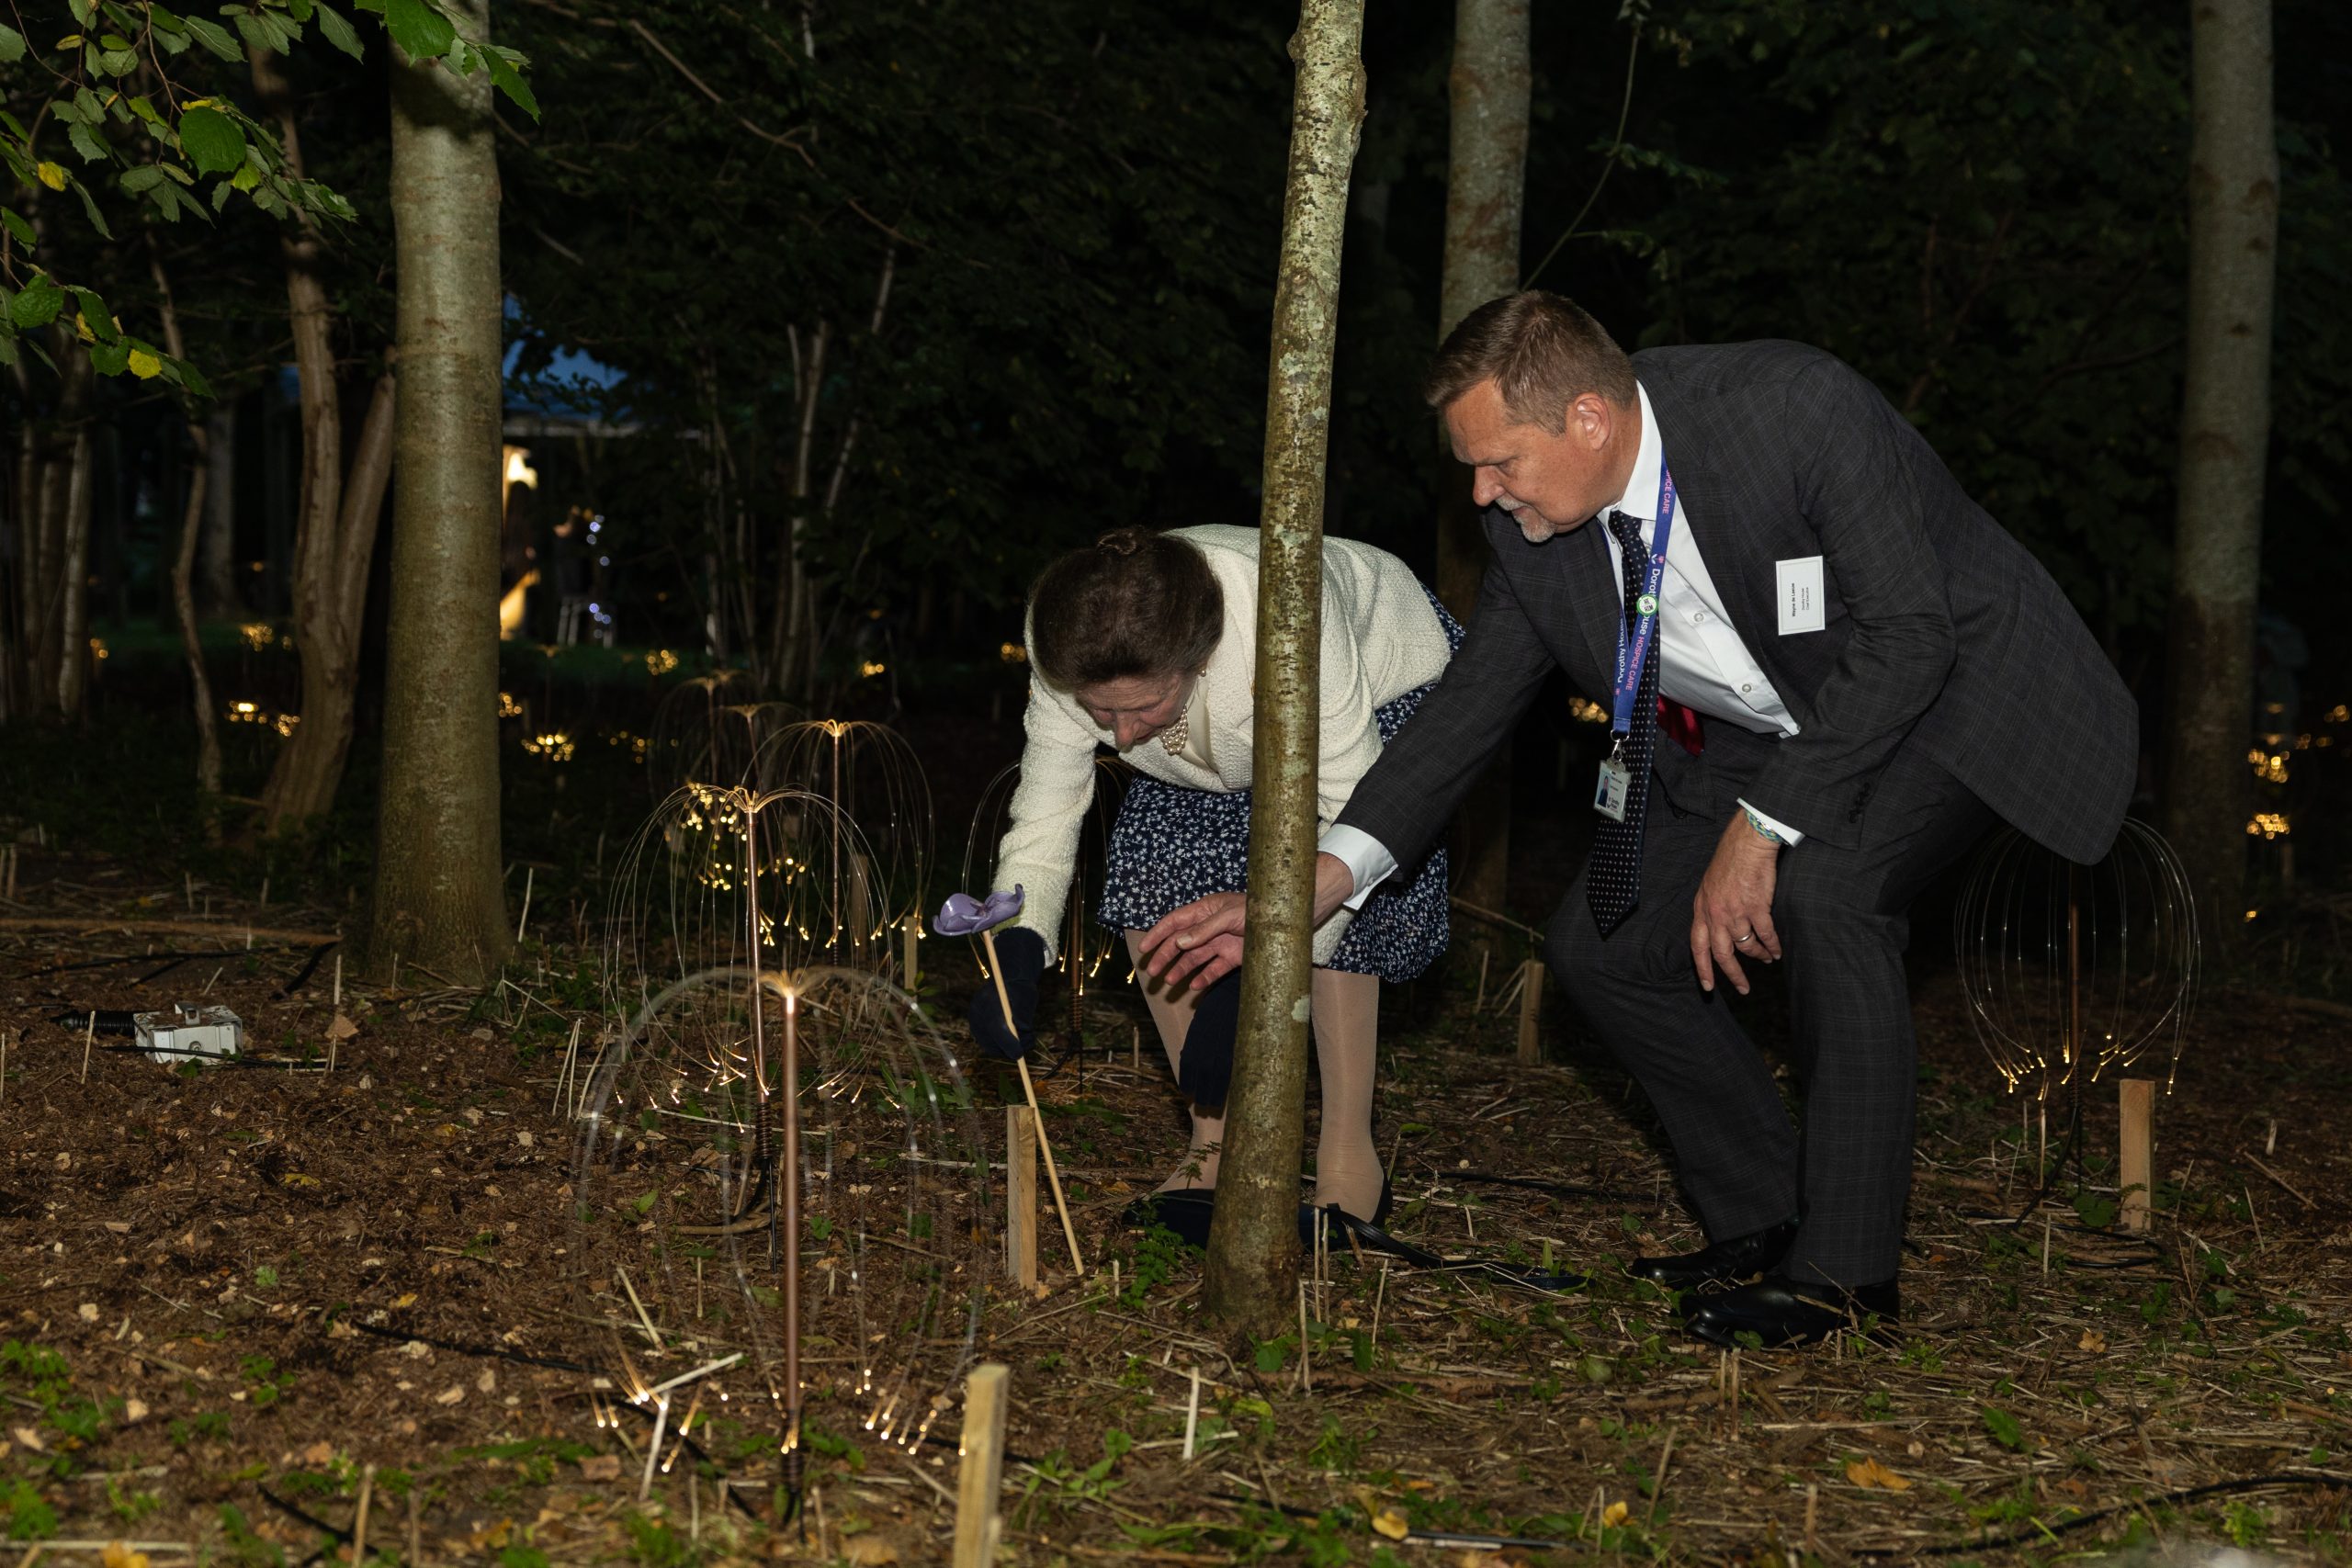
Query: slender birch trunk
x=1486, y=191
x=335, y=519
x=438, y=900
x=1252, y=1269
x=2224, y=442
x=200, y=443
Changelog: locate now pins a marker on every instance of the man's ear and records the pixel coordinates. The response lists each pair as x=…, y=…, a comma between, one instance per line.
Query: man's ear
x=1591, y=420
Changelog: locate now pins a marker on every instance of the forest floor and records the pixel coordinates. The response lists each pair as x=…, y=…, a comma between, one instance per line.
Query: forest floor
x=235, y=1301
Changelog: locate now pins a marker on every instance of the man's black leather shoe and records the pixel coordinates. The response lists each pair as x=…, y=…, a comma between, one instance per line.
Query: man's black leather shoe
x=1784, y=1312
x=1723, y=1262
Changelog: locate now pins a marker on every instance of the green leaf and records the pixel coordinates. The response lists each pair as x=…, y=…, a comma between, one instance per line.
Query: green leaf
x=168, y=20
x=188, y=375
x=510, y=82
x=217, y=39
x=265, y=31
x=213, y=141
x=38, y=303
x=110, y=359
x=118, y=61
x=12, y=46
x=20, y=227
x=90, y=209
x=2004, y=1427
x=95, y=313
x=8, y=359
x=340, y=33
x=89, y=146
x=418, y=29
x=298, y=9
x=144, y=177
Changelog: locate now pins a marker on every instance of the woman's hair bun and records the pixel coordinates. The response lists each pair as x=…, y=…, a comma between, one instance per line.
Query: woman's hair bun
x=1123, y=541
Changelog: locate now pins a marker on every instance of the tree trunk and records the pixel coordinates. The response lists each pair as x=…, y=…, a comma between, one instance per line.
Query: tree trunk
x=1486, y=191
x=1252, y=1270
x=439, y=899
x=335, y=515
x=219, y=543
x=199, y=443
x=2224, y=438
x=73, y=583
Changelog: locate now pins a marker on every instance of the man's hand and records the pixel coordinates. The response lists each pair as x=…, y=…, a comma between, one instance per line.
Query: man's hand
x=1201, y=944
x=1732, y=917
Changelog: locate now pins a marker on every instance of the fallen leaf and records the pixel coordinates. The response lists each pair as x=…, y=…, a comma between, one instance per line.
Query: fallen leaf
x=487, y=1382
x=296, y=1178
x=87, y=1312
x=341, y=1028
x=29, y=1437
x=406, y=1300
x=1392, y=1524
x=1869, y=1472
x=2092, y=1340
x=1613, y=1516
x=120, y=1227
x=133, y=1412
x=601, y=1467
x=118, y=1554
x=321, y=1452
x=450, y=1395
x=868, y=1551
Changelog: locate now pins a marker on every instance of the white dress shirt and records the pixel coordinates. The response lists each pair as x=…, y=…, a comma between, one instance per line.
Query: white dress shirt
x=1702, y=663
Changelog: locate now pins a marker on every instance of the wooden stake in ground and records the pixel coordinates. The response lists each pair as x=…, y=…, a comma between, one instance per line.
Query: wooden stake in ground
x=907, y=970
x=981, y=1476
x=1021, y=1195
x=1531, y=1014
x=2139, y=1101
x=359, y=1516
x=1029, y=1093
x=89, y=1037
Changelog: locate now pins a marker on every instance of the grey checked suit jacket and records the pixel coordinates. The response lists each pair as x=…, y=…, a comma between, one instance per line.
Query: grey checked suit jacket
x=1943, y=632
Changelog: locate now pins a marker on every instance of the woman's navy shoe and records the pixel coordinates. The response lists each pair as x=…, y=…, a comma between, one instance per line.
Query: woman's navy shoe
x=1308, y=1213
x=1186, y=1211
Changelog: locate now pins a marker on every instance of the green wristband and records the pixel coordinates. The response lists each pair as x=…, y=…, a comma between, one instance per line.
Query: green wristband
x=1757, y=823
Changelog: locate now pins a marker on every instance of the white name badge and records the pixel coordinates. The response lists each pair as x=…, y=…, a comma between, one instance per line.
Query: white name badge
x=1616, y=783
x=1799, y=586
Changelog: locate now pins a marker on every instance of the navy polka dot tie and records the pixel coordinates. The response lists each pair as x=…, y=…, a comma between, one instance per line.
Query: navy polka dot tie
x=1614, y=875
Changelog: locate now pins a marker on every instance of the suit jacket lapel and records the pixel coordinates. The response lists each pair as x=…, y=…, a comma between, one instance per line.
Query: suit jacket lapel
x=1738, y=559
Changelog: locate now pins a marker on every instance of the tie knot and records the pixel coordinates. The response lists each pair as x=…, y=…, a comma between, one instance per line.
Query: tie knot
x=1626, y=529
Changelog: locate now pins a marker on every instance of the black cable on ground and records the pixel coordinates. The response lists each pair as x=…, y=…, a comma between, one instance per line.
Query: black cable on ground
x=302, y=976
x=1538, y=1184
x=2040, y=1531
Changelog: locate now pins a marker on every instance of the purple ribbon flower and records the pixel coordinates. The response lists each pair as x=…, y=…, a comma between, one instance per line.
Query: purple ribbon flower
x=963, y=915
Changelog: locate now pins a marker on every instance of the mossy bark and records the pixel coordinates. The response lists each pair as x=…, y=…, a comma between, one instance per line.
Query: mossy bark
x=438, y=902
x=1485, y=200
x=1251, y=1275
x=2224, y=442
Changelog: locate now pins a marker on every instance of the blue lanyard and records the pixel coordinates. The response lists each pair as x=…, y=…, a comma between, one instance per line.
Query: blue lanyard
x=1634, y=644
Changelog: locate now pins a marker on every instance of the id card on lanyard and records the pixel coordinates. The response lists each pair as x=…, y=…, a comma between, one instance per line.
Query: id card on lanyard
x=1613, y=791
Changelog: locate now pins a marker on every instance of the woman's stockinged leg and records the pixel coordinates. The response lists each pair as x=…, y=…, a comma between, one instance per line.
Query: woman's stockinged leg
x=1347, y=1045
x=1171, y=1014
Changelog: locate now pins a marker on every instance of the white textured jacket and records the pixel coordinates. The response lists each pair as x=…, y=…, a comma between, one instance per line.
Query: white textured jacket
x=1381, y=639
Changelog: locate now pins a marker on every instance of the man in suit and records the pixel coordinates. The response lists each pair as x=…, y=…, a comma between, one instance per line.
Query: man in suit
x=1858, y=672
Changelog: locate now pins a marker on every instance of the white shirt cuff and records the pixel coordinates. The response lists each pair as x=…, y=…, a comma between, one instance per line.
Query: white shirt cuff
x=1788, y=834
x=1363, y=855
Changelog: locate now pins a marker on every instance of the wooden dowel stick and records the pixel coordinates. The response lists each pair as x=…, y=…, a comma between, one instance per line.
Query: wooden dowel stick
x=909, y=972
x=1021, y=1195
x=359, y=1518
x=529, y=874
x=89, y=1035
x=1531, y=1013
x=1192, y=1414
x=1029, y=1093
x=2139, y=1104
x=980, y=1477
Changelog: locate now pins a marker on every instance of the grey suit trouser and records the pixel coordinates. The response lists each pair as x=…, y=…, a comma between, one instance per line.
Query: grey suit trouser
x=1842, y=918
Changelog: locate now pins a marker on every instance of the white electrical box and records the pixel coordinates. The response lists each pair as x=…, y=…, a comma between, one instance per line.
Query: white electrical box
x=189, y=1034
